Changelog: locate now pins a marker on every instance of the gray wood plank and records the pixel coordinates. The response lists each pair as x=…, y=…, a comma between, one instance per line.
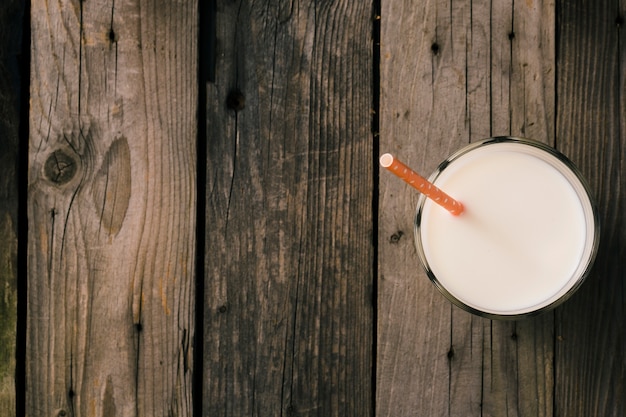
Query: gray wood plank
x=423, y=113
x=10, y=34
x=518, y=357
x=453, y=72
x=111, y=208
x=289, y=259
x=591, y=327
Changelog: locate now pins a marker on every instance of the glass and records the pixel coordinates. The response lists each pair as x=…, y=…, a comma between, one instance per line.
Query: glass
x=528, y=236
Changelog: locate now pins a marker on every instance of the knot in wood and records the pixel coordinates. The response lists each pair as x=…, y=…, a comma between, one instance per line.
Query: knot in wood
x=112, y=36
x=450, y=353
x=236, y=100
x=60, y=167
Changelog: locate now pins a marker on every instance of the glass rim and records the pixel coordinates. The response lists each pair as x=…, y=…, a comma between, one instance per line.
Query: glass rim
x=590, y=249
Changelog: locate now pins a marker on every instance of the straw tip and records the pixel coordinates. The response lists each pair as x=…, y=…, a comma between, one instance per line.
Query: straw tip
x=458, y=209
x=386, y=160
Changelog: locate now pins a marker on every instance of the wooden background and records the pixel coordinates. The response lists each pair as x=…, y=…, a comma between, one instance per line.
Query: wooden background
x=193, y=221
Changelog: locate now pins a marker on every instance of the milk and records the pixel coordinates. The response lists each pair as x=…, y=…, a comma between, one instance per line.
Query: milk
x=527, y=235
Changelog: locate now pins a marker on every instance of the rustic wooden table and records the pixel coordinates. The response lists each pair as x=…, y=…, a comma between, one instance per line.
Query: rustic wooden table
x=194, y=223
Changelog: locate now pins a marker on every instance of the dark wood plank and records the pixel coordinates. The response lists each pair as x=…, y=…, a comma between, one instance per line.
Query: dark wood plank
x=289, y=260
x=10, y=35
x=591, y=327
x=111, y=199
x=453, y=72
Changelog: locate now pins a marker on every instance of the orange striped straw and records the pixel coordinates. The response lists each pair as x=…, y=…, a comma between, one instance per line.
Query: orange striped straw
x=421, y=184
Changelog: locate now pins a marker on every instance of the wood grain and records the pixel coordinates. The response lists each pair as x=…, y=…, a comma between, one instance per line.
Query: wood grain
x=453, y=72
x=111, y=208
x=518, y=373
x=591, y=327
x=289, y=260
x=10, y=49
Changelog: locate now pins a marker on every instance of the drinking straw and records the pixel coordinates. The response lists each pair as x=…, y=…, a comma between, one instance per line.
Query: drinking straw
x=421, y=184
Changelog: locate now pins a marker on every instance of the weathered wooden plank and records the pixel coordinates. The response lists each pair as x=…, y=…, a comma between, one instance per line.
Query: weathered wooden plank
x=591, y=327
x=413, y=371
x=454, y=72
x=111, y=208
x=518, y=358
x=289, y=260
x=10, y=49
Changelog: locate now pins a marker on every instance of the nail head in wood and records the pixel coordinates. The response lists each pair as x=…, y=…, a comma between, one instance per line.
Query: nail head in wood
x=395, y=238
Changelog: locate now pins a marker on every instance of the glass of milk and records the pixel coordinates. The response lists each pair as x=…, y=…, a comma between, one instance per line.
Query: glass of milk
x=528, y=235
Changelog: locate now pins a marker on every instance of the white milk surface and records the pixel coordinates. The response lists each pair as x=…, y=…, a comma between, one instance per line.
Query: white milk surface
x=521, y=238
